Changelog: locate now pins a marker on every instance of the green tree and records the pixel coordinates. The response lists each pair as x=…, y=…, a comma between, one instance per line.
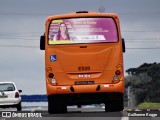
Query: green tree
x=154, y=73
x=141, y=69
x=140, y=85
x=145, y=81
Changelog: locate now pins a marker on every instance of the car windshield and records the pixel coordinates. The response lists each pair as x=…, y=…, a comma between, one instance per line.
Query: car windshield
x=83, y=30
x=7, y=87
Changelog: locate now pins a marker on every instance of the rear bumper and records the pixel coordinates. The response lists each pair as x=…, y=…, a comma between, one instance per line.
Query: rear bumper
x=8, y=106
x=9, y=102
x=87, y=98
x=94, y=88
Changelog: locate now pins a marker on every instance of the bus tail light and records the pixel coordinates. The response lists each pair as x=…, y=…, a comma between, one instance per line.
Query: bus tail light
x=119, y=67
x=118, y=72
x=53, y=80
x=115, y=78
x=50, y=75
x=49, y=69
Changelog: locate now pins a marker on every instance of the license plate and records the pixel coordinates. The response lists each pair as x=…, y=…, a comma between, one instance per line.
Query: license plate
x=84, y=82
x=4, y=96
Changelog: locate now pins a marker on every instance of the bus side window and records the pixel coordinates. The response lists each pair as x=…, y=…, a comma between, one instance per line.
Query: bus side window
x=123, y=45
x=42, y=42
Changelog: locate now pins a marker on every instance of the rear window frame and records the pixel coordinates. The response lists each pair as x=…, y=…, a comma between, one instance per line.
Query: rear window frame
x=84, y=43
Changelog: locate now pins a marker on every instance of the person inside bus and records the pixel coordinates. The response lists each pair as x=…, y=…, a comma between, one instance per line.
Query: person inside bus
x=62, y=33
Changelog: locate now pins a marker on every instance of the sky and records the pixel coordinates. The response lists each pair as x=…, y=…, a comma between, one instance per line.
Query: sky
x=22, y=22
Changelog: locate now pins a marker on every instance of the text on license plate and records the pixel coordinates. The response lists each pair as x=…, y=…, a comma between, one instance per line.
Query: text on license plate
x=4, y=96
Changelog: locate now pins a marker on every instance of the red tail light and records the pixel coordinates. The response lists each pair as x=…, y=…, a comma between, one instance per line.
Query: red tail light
x=17, y=95
x=118, y=72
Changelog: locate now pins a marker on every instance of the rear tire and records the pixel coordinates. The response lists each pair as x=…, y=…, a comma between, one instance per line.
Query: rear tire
x=19, y=107
x=114, y=106
x=78, y=106
x=56, y=104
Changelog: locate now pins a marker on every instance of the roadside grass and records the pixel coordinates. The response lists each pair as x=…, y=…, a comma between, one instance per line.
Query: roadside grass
x=149, y=105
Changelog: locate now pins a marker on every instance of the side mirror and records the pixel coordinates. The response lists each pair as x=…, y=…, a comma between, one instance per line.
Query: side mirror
x=19, y=91
x=42, y=42
x=123, y=45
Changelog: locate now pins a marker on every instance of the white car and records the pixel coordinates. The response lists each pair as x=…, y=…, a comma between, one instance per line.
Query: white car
x=10, y=95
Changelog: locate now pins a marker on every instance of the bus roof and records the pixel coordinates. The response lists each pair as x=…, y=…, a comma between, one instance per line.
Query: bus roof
x=82, y=14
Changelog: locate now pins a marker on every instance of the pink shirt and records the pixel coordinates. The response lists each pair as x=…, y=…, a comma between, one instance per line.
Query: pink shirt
x=61, y=38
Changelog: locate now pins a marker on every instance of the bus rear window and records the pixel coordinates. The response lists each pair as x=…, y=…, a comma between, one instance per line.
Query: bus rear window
x=82, y=30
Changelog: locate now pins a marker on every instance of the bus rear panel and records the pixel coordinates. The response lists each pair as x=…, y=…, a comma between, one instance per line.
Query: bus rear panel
x=84, y=61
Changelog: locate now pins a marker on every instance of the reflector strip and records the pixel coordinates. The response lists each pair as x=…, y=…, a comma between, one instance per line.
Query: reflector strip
x=62, y=88
x=58, y=87
x=107, y=85
x=111, y=85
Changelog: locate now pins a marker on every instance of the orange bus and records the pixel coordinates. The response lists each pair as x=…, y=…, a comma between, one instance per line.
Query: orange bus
x=83, y=60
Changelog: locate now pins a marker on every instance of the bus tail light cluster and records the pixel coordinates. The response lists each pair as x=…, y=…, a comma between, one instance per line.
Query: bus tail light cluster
x=50, y=75
x=117, y=73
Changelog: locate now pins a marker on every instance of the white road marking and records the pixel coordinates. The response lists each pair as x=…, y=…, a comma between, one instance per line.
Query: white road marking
x=125, y=118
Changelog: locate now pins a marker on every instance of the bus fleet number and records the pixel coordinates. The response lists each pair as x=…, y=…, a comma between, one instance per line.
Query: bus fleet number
x=84, y=68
